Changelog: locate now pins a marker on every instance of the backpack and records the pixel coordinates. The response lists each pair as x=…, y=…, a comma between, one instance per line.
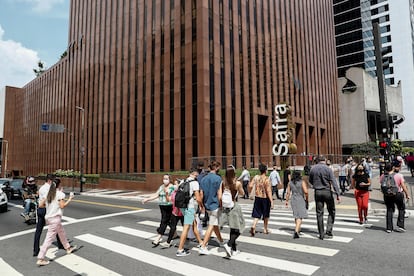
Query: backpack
x=388, y=185
x=175, y=211
x=182, y=196
x=227, y=199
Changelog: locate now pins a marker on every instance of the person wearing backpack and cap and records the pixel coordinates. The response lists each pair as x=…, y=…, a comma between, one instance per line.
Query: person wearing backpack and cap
x=392, y=200
x=189, y=212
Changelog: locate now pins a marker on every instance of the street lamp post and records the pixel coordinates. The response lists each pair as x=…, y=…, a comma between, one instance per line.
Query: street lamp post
x=82, y=151
x=5, y=157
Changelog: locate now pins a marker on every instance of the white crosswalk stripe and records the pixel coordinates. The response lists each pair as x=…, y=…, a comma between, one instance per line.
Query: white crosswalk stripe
x=8, y=270
x=270, y=251
x=148, y=257
x=249, y=258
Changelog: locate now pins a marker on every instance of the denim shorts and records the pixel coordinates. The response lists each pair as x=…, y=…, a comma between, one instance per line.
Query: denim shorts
x=188, y=215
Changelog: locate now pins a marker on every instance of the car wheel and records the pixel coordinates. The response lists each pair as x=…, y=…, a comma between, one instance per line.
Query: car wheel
x=3, y=208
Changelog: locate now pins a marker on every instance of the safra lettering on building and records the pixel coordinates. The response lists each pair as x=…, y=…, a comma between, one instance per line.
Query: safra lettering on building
x=284, y=130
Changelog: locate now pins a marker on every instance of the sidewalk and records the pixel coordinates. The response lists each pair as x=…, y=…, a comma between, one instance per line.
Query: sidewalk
x=347, y=205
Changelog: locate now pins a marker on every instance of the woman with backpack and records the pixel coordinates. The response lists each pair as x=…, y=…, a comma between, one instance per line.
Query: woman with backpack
x=393, y=187
x=232, y=214
x=361, y=183
x=163, y=195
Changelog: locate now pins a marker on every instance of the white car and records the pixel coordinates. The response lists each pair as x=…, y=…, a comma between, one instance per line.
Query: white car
x=3, y=201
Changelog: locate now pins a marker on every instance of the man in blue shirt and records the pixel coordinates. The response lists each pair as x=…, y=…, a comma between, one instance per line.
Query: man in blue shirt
x=211, y=191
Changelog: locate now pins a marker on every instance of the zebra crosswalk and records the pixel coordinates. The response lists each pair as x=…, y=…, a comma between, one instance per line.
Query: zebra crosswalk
x=274, y=253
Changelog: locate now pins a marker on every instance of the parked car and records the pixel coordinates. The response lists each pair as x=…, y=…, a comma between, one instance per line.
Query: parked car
x=13, y=189
x=3, y=201
x=5, y=185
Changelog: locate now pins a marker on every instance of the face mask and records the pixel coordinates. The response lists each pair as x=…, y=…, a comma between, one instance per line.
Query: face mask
x=396, y=170
x=166, y=181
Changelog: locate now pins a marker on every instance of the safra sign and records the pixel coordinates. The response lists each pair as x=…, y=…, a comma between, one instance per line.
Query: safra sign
x=284, y=129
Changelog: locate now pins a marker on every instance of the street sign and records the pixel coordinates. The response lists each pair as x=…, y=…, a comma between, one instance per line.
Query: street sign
x=52, y=128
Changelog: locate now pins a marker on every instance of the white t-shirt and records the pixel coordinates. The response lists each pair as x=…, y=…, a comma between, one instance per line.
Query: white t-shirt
x=43, y=191
x=53, y=209
x=194, y=186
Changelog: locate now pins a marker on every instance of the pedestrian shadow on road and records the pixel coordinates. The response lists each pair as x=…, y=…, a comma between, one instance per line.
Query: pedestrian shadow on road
x=376, y=228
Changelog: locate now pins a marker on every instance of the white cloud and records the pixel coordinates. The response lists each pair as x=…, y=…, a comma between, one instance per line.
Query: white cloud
x=42, y=6
x=16, y=62
x=16, y=68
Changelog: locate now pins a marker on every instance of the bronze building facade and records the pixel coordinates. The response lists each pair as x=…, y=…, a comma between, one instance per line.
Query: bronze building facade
x=161, y=82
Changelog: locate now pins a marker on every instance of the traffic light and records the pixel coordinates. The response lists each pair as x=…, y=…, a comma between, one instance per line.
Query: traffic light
x=383, y=147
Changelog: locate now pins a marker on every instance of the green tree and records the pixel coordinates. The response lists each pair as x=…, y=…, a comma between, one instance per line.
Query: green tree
x=365, y=149
x=64, y=54
x=396, y=146
x=40, y=68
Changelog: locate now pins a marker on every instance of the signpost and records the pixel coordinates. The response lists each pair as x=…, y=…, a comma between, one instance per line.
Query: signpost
x=57, y=128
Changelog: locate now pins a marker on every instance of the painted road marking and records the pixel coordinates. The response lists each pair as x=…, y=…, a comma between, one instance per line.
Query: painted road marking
x=274, y=263
x=257, y=241
x=163, y=262
x=79, y=265
x=8, y=270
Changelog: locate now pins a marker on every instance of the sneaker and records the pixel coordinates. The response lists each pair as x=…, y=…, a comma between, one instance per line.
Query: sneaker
x=71, y=249
x=25, y=216
x=388, y=231
x=328, y=235
x=156, y=243
x=235, y=252
x=223, y=243
x=203, y=251
x=182, y=253
x=42, y=262
x=228, y=250
x=199, y=245
x=401, y=229
x=365, y=221
x=166, y=244
x=296, y=235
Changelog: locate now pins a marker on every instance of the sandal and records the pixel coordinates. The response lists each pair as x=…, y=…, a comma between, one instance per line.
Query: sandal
x=252, y=231
x=42, y=262
x=267, y=231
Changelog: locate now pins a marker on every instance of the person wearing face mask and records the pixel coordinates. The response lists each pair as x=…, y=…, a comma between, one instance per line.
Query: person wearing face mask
x=361, y=183
x=163, y=195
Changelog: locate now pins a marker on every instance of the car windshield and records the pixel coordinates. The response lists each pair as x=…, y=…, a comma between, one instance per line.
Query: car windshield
x=16, y=183
x=4, y=180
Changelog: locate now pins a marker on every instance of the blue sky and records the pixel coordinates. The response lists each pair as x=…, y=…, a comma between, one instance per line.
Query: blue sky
x=30, y=30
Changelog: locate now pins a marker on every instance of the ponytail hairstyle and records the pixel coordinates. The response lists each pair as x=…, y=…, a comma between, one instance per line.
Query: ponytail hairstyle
x=230, y=177
x=52, y=190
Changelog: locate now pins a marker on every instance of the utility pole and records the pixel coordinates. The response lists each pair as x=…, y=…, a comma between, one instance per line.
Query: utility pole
x=82, y=151
x=381, y=85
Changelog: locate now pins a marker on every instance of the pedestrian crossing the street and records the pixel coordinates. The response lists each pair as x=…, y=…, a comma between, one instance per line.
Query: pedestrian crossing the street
x=275, y=253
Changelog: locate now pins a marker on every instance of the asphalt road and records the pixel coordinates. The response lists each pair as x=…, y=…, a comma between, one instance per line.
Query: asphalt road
x=115, y=236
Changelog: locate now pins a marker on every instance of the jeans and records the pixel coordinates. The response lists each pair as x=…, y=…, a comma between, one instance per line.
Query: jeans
x=41, y=212
x=27, y=203
x=246, y=192
x=322, y=197
x=390, y=202
x=234, y=234
x=342, y=180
